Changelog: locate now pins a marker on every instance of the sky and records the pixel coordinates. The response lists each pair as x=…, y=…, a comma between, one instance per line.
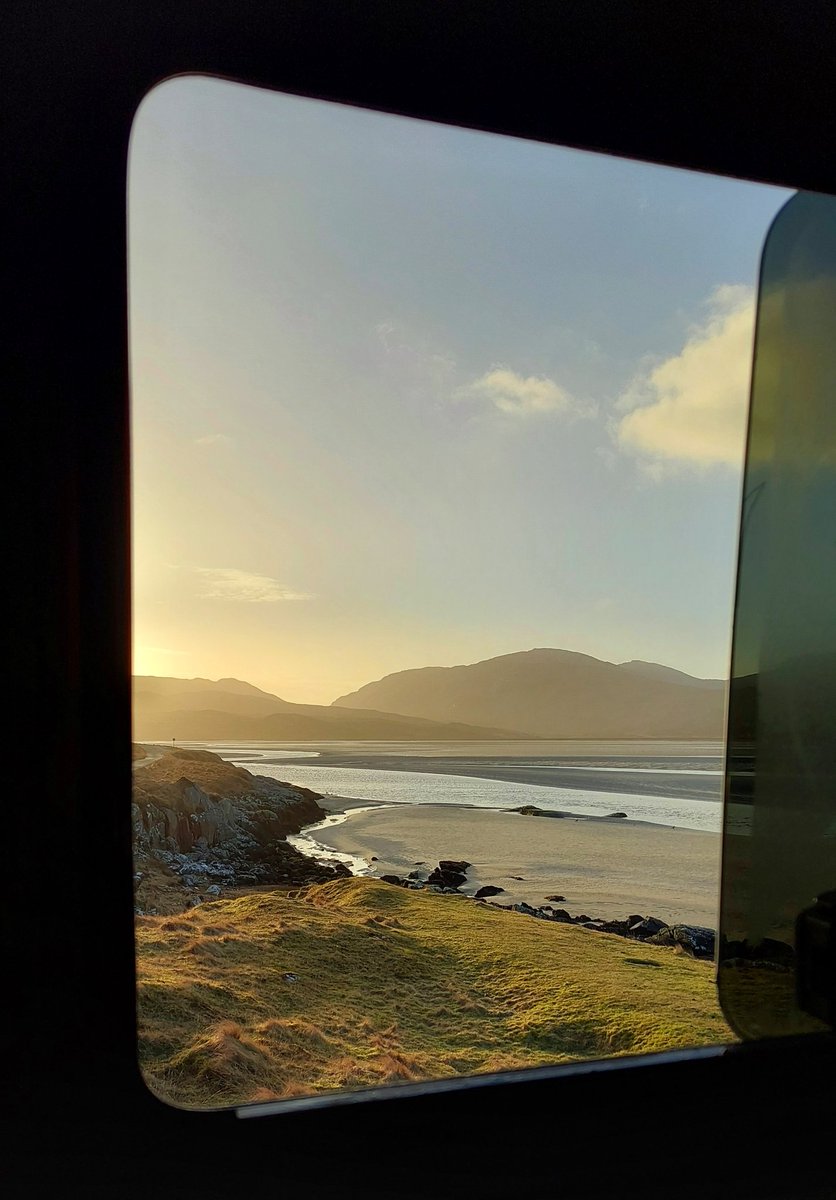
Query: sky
x=405, y=395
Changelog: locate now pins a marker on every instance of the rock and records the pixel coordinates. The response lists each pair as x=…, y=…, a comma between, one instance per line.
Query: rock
x=619, y=927
x=416, y=875
x=646, y=928
x=557, y=899
x=560, y=914
x=531, y=810
x=395, y=879
x=634, y=919
x=373, y=858
x=488, y=890
x=213, y=890
x=769, y=950
x=580, y=920
x=618, y=814
x=525, y=908
x=289, y=977
x=445, y=878
x=453, y=864
x=695, y=939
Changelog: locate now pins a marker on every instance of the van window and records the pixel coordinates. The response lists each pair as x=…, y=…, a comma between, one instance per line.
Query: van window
x=437, y=450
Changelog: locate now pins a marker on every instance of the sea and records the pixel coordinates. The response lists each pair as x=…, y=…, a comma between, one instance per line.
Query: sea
x=663, y=783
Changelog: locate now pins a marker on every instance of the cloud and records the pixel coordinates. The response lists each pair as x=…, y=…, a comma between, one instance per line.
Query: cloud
x=519, y=395
x=691, y=408
x=228, y=583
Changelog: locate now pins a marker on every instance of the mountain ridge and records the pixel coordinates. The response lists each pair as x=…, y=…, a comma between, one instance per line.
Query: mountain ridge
x=207, y=710
x=552, y=693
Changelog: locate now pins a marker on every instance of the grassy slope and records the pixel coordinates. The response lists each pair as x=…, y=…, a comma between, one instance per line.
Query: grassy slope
x=393, y=985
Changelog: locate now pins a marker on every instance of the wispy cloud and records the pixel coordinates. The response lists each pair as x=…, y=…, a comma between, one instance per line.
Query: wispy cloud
x=520, y=395
x=691, y=408
x=228, y=583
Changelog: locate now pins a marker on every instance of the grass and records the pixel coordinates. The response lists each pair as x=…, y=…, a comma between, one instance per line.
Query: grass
x=356, y=983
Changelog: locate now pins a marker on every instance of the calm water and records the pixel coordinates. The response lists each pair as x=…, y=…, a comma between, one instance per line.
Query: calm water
x=646, y=783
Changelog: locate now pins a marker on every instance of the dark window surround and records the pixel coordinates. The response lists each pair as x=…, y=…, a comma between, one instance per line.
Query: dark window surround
x=743, y=89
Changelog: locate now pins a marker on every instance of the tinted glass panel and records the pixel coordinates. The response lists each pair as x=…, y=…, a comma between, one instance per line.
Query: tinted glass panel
x=780, y=824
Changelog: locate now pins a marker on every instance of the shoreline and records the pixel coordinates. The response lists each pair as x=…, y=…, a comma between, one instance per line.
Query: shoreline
x=601, y=864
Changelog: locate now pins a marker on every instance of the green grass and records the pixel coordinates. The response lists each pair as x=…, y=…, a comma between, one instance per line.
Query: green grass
x=393, y=985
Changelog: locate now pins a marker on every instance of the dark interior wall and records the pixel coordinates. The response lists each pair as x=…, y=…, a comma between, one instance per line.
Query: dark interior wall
x=742, y=88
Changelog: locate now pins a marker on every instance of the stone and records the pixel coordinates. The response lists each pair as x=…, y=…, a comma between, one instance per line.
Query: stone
x=489, y=889
x=694, y=939
x=213, y=890
x=647, y=928
x=557, y=899
x=453, y=864
x=395, y=879
x=445, y=878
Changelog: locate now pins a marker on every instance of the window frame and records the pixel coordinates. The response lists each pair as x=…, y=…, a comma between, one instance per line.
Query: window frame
x=77, y=77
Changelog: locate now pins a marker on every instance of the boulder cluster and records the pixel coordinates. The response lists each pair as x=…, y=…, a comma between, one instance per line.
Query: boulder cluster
x=450, y=874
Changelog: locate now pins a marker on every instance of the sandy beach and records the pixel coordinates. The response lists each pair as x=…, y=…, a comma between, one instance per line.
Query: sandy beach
x=604, y=868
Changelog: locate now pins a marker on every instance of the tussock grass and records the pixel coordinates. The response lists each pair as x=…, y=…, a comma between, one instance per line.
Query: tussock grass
x=355, y=983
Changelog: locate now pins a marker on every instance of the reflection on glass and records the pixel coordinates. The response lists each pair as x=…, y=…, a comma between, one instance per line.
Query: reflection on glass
x=780, y=830
x=437, y=442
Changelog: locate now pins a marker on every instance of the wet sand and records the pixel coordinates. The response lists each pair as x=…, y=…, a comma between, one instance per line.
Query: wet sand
x=604, y=867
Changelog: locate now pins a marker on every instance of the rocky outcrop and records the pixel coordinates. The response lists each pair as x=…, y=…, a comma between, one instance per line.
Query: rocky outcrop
x=449, y=875
x=697, y=941
x=203, y=824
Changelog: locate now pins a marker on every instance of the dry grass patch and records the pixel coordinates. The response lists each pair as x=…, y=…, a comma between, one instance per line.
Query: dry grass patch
x=356, y=983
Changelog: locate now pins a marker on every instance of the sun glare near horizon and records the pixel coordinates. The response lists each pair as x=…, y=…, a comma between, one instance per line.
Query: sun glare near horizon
x=405, y=395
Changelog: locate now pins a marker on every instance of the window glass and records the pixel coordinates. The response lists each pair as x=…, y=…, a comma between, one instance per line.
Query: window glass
x=437, y=440
x=780, y=832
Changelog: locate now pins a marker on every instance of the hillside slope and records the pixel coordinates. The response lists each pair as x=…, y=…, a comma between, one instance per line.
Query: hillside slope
x=355, y=983
x=231, y=710
x=555, y=694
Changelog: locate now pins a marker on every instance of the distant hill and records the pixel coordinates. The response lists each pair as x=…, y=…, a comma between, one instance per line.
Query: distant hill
x=555, y=694
x=204, y=710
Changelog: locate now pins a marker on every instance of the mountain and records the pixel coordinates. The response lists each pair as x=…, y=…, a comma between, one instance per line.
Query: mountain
x=555, y=694
x=205, y=710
